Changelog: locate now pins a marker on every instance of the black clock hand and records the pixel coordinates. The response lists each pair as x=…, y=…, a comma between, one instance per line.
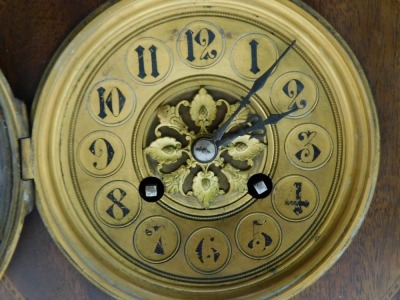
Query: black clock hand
x=203, y=149
x=258, y=126
x=258, y=85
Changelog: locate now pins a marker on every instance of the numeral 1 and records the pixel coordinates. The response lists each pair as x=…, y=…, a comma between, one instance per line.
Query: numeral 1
x=189, y=35
x=254, y=59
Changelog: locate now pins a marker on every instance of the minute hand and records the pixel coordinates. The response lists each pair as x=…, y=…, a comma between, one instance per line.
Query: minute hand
x=259, y=125
x=258, y=85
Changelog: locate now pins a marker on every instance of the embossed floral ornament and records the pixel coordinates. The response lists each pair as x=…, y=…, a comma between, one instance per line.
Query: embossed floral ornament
x=175, y=135
x=203, y=109
x=245, y=148
x=206, y=187
x=165, y=150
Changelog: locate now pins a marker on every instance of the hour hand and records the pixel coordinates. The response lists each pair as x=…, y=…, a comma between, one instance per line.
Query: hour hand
x=257, y=128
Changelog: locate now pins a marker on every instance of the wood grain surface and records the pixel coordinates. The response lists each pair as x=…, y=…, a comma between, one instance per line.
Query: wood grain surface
x=30, y=33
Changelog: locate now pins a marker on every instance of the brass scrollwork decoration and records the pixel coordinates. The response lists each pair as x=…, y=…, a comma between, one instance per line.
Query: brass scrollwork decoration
x=186, y=122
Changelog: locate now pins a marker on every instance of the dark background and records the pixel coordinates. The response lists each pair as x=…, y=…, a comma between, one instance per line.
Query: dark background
x=31, y=32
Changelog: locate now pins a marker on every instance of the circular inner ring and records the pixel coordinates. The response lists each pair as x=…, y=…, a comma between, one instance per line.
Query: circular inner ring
x=201, y=180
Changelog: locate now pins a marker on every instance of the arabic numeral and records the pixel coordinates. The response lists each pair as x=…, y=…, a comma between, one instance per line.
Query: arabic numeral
x=155, y=231
x=205, y=251
x=116, y=196
x=140, y=50
x=189, y=35
x=293, y=89
x=261, y=240
x=254, y=57
x=299, y=203
x=103, y=150
x=114, y=101
x=204, y=38
x=310, y=152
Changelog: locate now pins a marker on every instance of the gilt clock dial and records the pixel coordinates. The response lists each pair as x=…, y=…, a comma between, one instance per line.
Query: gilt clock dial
x=204, y=149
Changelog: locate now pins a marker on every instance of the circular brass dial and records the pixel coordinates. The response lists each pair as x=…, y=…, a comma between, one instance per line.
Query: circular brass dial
x=139, y=92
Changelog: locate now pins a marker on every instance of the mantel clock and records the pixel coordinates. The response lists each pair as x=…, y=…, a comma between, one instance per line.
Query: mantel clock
x=203, y=149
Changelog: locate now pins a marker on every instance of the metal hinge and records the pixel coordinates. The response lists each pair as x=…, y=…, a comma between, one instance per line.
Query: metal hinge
x=26, y=152
x=27, y=172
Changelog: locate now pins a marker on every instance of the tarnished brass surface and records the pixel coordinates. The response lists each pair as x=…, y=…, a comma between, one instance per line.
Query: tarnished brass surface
x=142, y=83
x=16, y=195
x=205, y=186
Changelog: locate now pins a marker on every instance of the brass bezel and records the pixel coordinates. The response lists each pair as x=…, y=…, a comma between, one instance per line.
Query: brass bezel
x=361, y=145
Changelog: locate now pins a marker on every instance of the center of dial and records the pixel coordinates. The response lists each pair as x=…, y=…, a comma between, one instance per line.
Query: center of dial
x=204, y=150
x=172, y=141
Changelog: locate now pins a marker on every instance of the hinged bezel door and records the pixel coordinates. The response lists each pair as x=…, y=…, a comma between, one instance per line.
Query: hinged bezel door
x=16, y=199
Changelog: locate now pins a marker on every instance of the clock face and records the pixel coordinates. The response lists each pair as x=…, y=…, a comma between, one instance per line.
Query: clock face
x=130, y=112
